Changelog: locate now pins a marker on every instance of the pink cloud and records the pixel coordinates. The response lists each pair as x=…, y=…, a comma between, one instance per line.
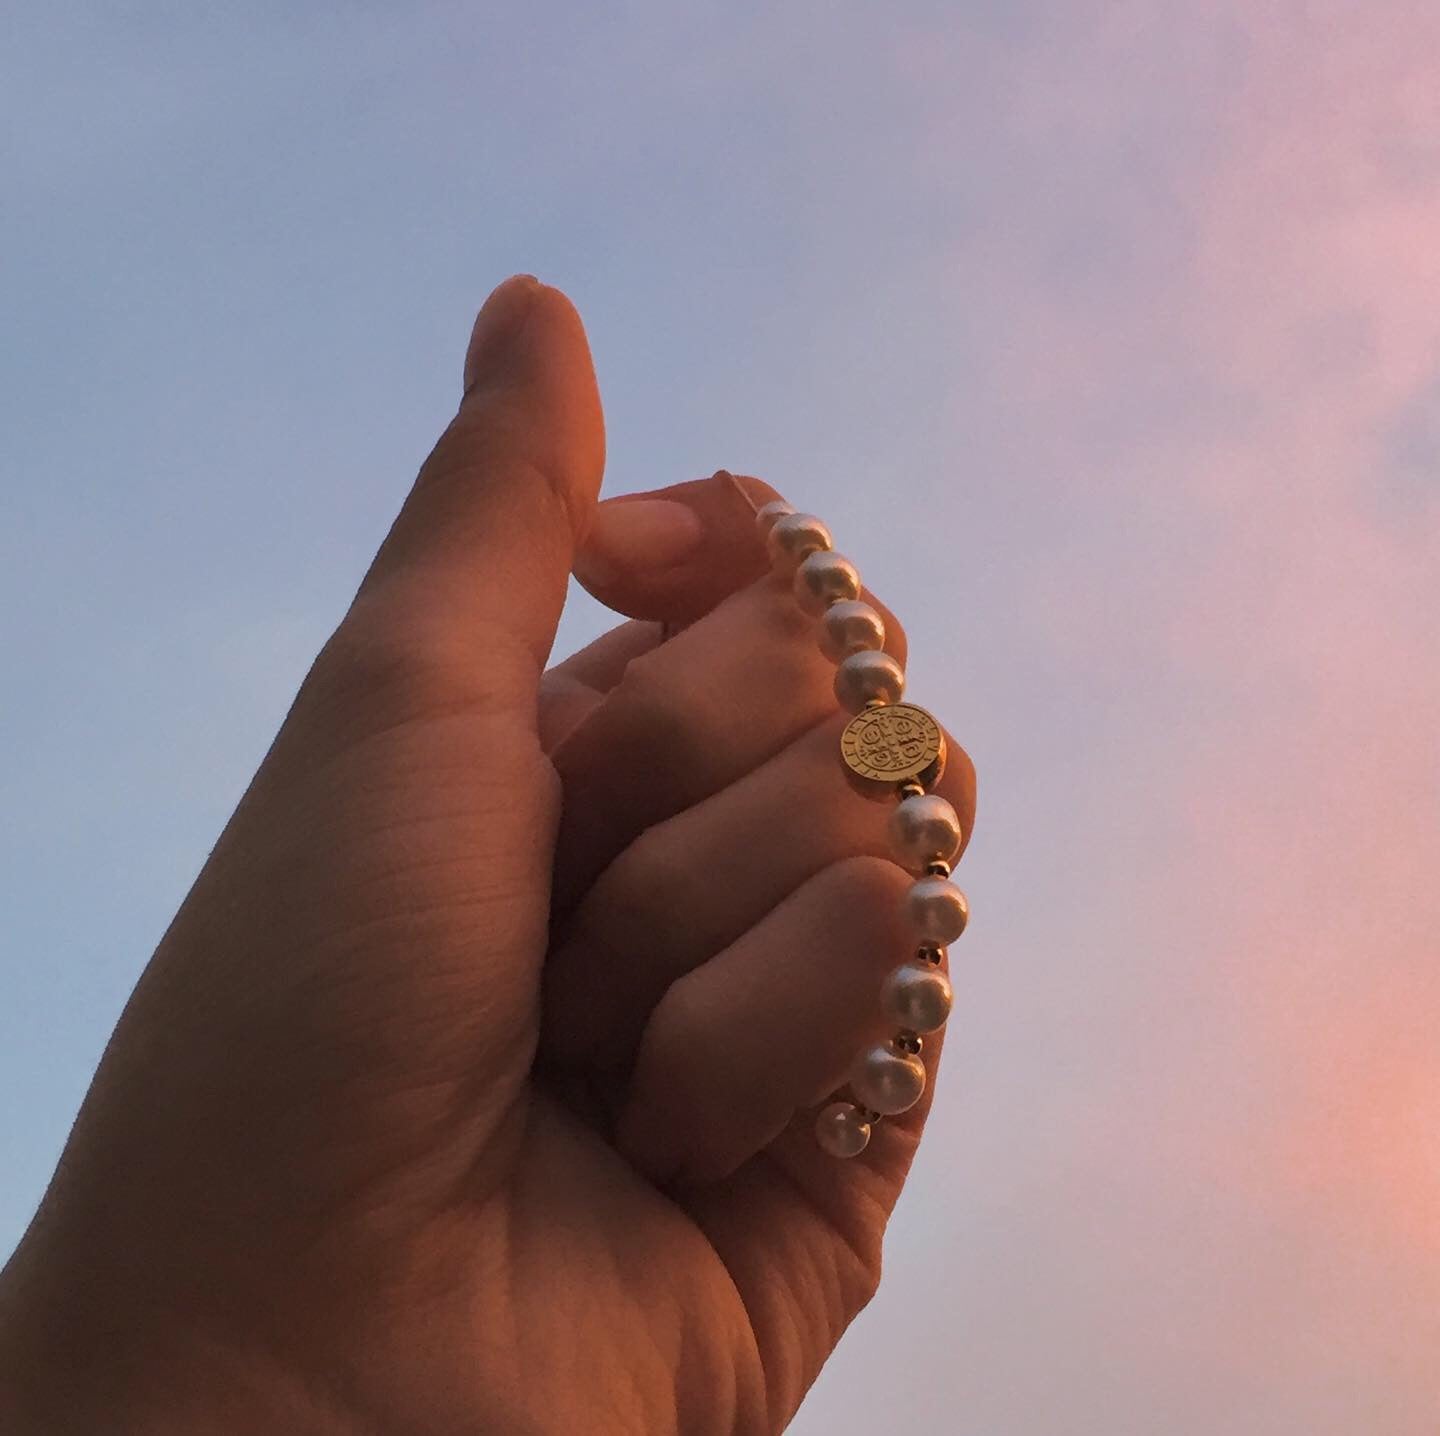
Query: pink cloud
x=1288, y=277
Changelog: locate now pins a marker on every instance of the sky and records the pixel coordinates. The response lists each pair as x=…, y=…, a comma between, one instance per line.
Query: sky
x=1109, y=331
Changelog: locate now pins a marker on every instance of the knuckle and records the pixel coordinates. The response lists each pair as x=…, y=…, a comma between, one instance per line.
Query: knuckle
x=862, y=1283
x=864, y=883
x=647, y=678
x=684, y=1023
x=858, y=903
x=367, y=658
x=897, y=642
x=957, y=786
x=656, y=702
x=657, y=866
x=474, y=440
x=648, y=888
x=489, y=445
x=398, y=666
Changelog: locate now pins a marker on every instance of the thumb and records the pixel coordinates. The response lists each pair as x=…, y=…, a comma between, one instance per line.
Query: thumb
x=479, y=556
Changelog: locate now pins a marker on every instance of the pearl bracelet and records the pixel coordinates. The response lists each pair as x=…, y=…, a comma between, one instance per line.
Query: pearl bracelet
x=890, y=749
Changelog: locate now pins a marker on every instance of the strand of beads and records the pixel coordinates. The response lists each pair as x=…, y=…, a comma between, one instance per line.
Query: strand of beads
x=891, y=749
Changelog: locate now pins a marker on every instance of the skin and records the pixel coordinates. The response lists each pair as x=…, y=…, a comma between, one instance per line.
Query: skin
x=470, y=1090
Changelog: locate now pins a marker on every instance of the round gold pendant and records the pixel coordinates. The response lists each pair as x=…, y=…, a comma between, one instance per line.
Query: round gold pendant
x=892, y=744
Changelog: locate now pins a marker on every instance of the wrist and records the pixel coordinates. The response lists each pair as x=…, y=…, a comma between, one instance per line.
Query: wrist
x=74, y=1358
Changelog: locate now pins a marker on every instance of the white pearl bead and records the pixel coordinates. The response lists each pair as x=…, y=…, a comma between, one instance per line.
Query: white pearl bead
x=917, y=996
x=848, y=627
x=936, y=910
x=841, y=1130
x=825, y=577
x=766, y=515
x=924, y=829
x=888, y=1081
x=794, y=537
x=867, y=675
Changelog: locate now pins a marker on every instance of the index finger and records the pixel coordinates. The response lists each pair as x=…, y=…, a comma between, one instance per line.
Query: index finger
x=660, y=601
x=729, y=557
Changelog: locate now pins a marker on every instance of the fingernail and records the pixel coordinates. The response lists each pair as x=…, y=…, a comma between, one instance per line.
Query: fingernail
x=739, y=489
x=501, y=317
x=636, y=536
x=753, y=498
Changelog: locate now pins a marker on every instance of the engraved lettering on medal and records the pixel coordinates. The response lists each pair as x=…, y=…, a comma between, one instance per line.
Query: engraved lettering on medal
x=891, y=743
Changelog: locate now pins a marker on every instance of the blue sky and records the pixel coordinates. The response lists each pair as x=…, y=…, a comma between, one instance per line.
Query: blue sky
x=1107, y=337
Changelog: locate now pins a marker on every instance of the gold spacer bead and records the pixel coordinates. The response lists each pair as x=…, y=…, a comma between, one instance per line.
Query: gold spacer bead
x=937, y=869
x=910, y=1042
x=933, y=955
x=871, y=1117
x=910, y=788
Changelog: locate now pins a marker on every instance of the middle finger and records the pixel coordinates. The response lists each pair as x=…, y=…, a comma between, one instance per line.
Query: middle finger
x=688, y=718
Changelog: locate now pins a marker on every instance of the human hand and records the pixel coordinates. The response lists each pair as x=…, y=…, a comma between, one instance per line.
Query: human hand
x=391, y=1137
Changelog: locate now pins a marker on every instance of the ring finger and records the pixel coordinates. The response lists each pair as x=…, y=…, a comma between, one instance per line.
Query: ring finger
x=690, y=886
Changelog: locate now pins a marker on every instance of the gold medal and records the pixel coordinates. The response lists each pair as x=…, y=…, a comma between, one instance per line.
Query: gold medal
x=893, y=743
